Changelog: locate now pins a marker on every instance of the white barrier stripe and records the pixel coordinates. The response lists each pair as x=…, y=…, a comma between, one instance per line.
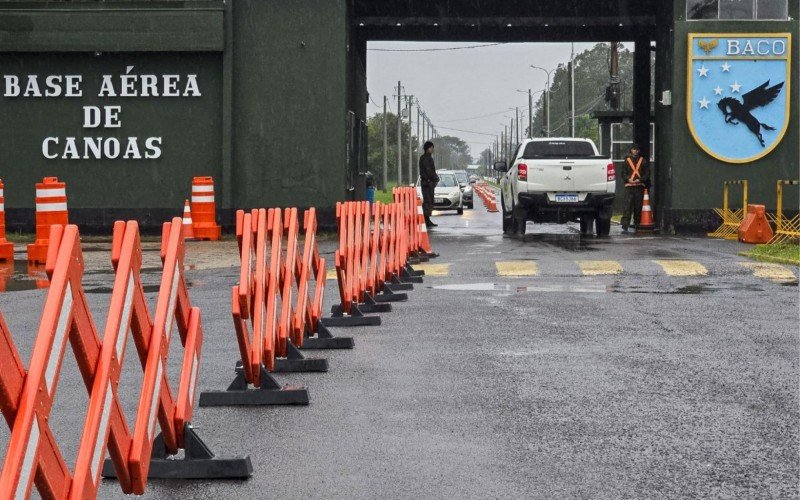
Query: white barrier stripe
x=154, y=402
x=29, y=462
x=58, y=341
x=423, y=228
x=2, y=192
x=50, y=192
x=173, y=294
x=97, y=454
x=122, y=332
x=51, y=207
x=202, y=199
x=187, y=220
x=202, y=188
x=193, y=380
x=2, y=207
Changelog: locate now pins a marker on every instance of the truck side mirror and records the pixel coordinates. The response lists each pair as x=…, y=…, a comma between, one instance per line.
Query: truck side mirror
x=501, y=166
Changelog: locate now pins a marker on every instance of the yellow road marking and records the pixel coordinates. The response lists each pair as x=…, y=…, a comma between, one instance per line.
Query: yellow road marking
x=770, y=271
x=682, y=267
x=599, y=267
x=517, y=268
x=433, y=269
x=331, y=275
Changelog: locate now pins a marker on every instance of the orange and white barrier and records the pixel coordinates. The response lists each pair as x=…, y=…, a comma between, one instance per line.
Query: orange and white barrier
x=267, y=322
x=6, y=247
x=26, y=397
x=204, y=209
x=51, y=209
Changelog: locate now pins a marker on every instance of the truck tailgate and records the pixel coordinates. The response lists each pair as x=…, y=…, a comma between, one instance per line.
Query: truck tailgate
x=565, y=175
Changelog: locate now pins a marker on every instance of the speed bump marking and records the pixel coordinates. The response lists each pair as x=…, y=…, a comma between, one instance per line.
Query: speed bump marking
x=433, y=269
x=517, y=268
x=599, y=267
x=682, y=267
x=770, y=271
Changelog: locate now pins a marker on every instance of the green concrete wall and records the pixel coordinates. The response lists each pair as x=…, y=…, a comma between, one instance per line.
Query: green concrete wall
x=289, y=102
x=697, y=177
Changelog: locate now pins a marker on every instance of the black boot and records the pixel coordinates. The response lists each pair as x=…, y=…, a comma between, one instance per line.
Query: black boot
x=429, y=222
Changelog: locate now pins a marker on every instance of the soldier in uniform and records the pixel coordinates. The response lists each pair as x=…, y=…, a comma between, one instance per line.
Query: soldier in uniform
x=636, y=175
x=427, y=180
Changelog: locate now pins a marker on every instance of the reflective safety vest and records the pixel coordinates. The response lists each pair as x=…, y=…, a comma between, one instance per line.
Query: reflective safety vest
x=636, y=178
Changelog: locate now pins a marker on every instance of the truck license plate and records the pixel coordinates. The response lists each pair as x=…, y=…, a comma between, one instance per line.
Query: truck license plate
x=567, y=198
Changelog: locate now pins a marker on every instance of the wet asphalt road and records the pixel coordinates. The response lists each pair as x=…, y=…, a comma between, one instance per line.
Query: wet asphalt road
x=550, y=367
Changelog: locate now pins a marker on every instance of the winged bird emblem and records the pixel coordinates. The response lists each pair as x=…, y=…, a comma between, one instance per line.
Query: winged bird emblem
x=736, y=111
x=708, y=45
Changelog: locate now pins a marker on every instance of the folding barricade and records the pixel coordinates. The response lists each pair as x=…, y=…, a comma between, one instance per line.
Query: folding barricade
x=26, y=399
x=262, y=327
x=407, y=197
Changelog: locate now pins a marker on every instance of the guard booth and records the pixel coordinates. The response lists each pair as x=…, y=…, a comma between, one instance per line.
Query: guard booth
x=616, y=139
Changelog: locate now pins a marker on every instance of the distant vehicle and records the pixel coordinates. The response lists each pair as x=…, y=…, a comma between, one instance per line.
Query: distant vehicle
x=474, y=178
x=466, y=187
x=447, y=195
x=557, y=180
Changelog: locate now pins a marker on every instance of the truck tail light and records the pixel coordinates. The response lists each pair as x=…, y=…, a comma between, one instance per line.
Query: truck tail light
x=522, y=172
x=611, y=174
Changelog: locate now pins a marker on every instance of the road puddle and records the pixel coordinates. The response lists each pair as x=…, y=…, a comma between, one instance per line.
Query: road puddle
x=694, y=289
x=552, y=287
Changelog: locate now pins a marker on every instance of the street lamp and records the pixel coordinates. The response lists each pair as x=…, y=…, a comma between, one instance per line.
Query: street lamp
x=547, y=95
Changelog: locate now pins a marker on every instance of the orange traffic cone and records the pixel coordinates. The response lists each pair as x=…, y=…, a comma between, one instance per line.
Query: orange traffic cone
x=186, y=229
x=424, y=240
x=51, y=209
x=204, y=209
x=646, y=224
x=6, y=247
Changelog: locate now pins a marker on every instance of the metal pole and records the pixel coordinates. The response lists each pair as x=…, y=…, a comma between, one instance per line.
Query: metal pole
x=419, y=137
x=516, y=110
x=410, y=145
x=572, y=91
x=385, y=146
x=530, y=114
x=399, y=139
x=548, y=104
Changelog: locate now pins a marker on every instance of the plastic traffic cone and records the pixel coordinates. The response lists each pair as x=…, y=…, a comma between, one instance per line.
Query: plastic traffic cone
x=204, y=209
x=646, y=224
x=6, y=247
x=51, y=209
x=187, y=230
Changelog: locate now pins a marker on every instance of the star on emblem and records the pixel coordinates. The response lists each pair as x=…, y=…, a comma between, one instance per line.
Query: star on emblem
x=735, y=86
x=726, y=67
x=704, y=103
x=718, y=90
x=703, y=70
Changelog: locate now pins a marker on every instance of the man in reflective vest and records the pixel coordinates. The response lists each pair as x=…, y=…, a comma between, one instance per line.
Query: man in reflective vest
x=636, y=175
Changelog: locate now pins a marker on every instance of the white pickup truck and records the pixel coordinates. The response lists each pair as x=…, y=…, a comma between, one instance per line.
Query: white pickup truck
x=557, y=180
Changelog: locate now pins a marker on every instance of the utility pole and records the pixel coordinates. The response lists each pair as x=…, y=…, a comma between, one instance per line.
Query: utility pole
x=419, y=138
x=399, y=137
x=510, y=140
x=612, y=91
x=385, y=146
x=572, y=92
x=530, y=114
x=409, y=100
x=516, y=109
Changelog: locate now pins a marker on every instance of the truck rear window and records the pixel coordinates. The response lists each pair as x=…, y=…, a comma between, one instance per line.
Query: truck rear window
x=558, y=149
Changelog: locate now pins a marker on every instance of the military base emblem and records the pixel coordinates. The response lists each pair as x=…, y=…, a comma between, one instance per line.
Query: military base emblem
x=737, y=96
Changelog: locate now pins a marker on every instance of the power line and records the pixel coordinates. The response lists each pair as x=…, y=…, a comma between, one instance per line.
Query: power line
x=467, y=131
x=436, y=49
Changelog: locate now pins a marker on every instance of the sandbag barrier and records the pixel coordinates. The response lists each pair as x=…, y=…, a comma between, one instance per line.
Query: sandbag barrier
x=26, y=397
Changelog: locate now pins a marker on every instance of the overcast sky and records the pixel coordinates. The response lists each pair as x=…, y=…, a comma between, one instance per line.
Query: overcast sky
x=466, y=83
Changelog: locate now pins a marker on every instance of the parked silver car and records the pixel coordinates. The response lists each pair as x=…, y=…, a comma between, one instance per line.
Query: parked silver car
x=447, y=195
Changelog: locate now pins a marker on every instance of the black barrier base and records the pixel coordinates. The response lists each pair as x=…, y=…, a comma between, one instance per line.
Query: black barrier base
x=326, y=340
x=370, y=305
x=199, y=462
x=396, y=284
x=389, y=295
x=356, y=318
x=409, y=271
x=296, y=362
x=270, y=392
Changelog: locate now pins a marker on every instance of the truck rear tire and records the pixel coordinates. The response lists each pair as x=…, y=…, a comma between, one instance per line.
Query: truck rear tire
x=508, y=221
x=602, y=226
x=586, y=225
x=520, y=220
